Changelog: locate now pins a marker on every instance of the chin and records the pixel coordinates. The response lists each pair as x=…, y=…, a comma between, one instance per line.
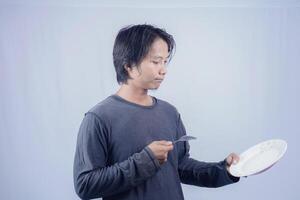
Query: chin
x=153, y=86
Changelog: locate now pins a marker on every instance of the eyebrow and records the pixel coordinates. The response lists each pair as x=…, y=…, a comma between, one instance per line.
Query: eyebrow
x=160, y=57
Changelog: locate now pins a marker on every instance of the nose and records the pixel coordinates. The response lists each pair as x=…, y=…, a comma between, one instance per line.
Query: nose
x=163, y=70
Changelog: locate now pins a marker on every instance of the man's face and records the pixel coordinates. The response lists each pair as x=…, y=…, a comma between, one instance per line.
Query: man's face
x=152, y=70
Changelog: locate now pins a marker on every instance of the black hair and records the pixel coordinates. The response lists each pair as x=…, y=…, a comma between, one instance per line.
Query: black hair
x=132, y=45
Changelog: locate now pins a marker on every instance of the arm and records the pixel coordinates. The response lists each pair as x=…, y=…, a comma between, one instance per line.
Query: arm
x=199, y=173
x=92, y=177
x=205, y=174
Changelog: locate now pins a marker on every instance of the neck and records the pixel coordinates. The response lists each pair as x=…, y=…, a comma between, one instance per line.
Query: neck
x=133, y=94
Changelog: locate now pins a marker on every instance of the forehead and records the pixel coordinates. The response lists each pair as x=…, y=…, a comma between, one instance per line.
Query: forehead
x=159, y=49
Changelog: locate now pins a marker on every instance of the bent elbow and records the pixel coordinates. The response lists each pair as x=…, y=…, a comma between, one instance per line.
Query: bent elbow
x=85, y=190
x=81, y=189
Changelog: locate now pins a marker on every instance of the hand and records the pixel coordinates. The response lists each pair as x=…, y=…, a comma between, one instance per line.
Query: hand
x=160, y=150
x=232, y=159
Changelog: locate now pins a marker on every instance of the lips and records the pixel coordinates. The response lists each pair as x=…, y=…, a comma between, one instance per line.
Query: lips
x=159, y=79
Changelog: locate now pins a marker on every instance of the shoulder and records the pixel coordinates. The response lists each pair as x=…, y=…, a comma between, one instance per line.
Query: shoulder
x=95, y=121
x=103, y=108
x=167, y=106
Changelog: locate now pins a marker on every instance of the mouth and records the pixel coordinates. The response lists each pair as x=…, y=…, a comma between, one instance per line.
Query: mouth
x=159, y=80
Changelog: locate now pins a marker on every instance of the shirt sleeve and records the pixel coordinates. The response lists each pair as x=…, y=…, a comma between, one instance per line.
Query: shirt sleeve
x=93, y=178
x=194, y=172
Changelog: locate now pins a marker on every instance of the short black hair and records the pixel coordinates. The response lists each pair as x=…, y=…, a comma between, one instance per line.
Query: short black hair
x=132, y=45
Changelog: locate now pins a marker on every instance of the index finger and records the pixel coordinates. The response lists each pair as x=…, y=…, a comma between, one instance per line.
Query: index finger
x=164, y=142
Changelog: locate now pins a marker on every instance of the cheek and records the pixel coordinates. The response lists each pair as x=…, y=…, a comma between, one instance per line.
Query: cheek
x=149, y=78
x=148, y=75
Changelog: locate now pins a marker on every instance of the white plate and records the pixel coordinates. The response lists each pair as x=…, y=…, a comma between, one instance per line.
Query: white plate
x=259, y=158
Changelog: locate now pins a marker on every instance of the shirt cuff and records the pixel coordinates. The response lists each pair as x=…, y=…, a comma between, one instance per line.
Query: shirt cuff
x=152, y=157
x=229, y=177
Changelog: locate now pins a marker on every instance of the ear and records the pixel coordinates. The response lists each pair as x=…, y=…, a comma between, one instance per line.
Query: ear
x=127, y=68
x=132, y=71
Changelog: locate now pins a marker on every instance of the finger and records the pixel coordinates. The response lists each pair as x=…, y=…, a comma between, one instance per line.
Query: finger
x=164, y=142
x=167, y=148
x=232, y=159
x=235, y=158
x=229, y=160
x=166, y=155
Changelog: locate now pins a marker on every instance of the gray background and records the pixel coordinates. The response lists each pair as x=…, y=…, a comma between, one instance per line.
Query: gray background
x=234, y=78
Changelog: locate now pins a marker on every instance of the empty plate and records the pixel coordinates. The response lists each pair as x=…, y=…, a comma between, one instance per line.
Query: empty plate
x=259, y=158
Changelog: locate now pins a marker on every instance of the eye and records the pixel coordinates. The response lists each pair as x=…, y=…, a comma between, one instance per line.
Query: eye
x=155, y=62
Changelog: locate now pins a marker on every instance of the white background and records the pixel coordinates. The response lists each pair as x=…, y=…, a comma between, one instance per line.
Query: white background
x=234, y=79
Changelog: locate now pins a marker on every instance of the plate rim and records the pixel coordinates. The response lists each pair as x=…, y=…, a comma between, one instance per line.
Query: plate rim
x=232, y=170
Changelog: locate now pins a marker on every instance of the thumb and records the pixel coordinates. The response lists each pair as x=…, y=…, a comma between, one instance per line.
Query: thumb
x=232, y=159
x=229, y=160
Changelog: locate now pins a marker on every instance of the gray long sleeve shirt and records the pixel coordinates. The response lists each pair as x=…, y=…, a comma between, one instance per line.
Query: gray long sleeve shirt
x=112, y=159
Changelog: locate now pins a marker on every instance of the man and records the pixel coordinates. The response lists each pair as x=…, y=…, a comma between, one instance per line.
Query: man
x=124, y=148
